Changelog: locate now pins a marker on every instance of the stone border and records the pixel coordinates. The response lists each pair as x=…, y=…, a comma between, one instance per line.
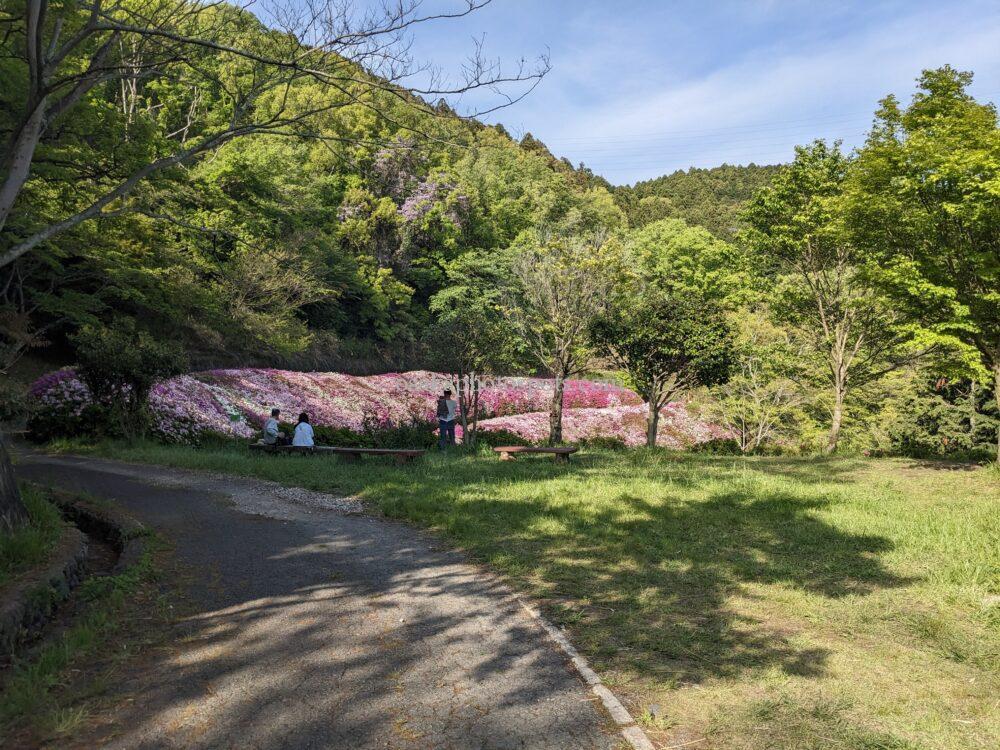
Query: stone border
x=630, y=730
x=124, y=533
x=30, y=602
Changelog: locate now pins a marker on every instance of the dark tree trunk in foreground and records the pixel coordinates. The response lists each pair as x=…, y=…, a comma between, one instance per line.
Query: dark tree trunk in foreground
x=12, y=510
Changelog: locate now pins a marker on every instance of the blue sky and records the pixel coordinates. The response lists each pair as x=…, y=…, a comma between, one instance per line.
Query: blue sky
x=640, y=88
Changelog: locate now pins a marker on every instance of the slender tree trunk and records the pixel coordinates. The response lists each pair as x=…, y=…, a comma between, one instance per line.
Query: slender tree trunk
x=996, y=395
x=652, y=417
x=837, y=417
x=972, y=411
x=463, y=406
x=556, y=410
x=473, y=431
x=12, y=510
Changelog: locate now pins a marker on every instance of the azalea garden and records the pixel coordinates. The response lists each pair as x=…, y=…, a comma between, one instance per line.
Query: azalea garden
x=235, y=403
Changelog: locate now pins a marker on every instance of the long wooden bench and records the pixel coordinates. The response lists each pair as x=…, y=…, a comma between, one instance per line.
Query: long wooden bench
x=352, y=454
x=508, y=452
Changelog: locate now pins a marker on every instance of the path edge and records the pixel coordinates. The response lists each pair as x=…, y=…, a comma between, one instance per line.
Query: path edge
x=627, y=725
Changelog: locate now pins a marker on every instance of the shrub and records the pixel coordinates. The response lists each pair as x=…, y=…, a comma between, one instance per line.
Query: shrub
x=13, y=401
x=494, y=438
x=719, y=446
x=120, y=364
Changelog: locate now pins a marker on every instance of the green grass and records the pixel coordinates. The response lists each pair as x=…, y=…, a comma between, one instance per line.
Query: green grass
x=49, y=690
x=764, y=603
x=31, y=544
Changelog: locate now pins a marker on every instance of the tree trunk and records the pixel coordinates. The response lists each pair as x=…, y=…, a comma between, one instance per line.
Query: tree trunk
x=837, y=418
x=652, y=421
x=555, y=411
x=18, y=162
x=463, y=407
x=12, y=510
x=996, y=395
x=472, y=429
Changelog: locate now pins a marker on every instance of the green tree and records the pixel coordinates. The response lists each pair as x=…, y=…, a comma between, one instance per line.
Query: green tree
x=664, y=344
x=560, y=287
x=120, y=365
x=925, y=196
x=760, y=403
x=472, y=339
x=824, y=289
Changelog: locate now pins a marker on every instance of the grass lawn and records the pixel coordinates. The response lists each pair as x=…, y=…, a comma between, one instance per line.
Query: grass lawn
x=760, y=603
x=31, y=544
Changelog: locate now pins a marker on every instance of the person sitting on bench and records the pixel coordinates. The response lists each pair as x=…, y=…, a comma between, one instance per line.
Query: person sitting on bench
x=272, y=435
x=303, y=437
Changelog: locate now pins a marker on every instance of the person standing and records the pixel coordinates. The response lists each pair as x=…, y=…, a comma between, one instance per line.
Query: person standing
x=303, y=437
x=447, y=412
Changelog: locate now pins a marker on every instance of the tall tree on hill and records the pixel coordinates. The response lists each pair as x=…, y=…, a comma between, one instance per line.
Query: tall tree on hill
x=824, y=288
x=925, y=195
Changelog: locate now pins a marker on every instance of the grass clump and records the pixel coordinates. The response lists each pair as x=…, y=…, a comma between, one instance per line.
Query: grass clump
x=31, y=544
x=43, y=695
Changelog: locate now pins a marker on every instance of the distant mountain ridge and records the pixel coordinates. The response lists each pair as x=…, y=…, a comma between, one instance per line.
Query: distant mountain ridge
x=712, y=198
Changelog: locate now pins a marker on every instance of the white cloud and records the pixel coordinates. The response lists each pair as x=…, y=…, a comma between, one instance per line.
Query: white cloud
x=758, y=107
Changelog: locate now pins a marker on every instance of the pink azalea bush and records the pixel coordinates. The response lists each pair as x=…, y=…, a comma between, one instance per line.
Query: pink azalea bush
x=236, y=402
x=678, y=428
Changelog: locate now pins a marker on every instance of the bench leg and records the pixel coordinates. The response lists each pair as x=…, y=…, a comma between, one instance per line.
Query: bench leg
x=562, y=457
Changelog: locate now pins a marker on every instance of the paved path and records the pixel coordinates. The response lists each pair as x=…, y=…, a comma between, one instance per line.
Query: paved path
x=324, y=629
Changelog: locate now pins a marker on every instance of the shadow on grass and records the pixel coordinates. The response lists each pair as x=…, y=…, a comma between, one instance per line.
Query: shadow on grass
x=647, y=582
x=650, y=580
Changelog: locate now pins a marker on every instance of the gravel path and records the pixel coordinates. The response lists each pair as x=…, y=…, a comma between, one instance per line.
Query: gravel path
x=318, y=626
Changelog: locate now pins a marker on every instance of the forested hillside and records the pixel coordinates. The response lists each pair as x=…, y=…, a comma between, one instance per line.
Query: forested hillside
x=712, y=198
x=283, y=244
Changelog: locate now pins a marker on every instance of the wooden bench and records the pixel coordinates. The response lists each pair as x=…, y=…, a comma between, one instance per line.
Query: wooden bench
x=507, y=452
x=351, y=454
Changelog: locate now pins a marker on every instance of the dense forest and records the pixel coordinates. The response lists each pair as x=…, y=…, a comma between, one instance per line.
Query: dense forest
x=243, y=210
x=711, y=198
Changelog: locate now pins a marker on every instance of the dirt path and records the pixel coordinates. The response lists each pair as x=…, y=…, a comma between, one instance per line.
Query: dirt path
x=319, y=627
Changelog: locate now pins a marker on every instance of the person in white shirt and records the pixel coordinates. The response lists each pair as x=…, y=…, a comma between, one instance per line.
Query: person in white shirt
x=303, y=436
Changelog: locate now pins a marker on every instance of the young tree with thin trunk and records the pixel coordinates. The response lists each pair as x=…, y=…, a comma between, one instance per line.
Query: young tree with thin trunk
x=560, y=287
x=471, y=339
x=664, y=344
x=823, y=289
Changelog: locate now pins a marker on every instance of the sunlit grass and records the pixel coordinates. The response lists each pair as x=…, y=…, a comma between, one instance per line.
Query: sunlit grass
x=763, y=603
